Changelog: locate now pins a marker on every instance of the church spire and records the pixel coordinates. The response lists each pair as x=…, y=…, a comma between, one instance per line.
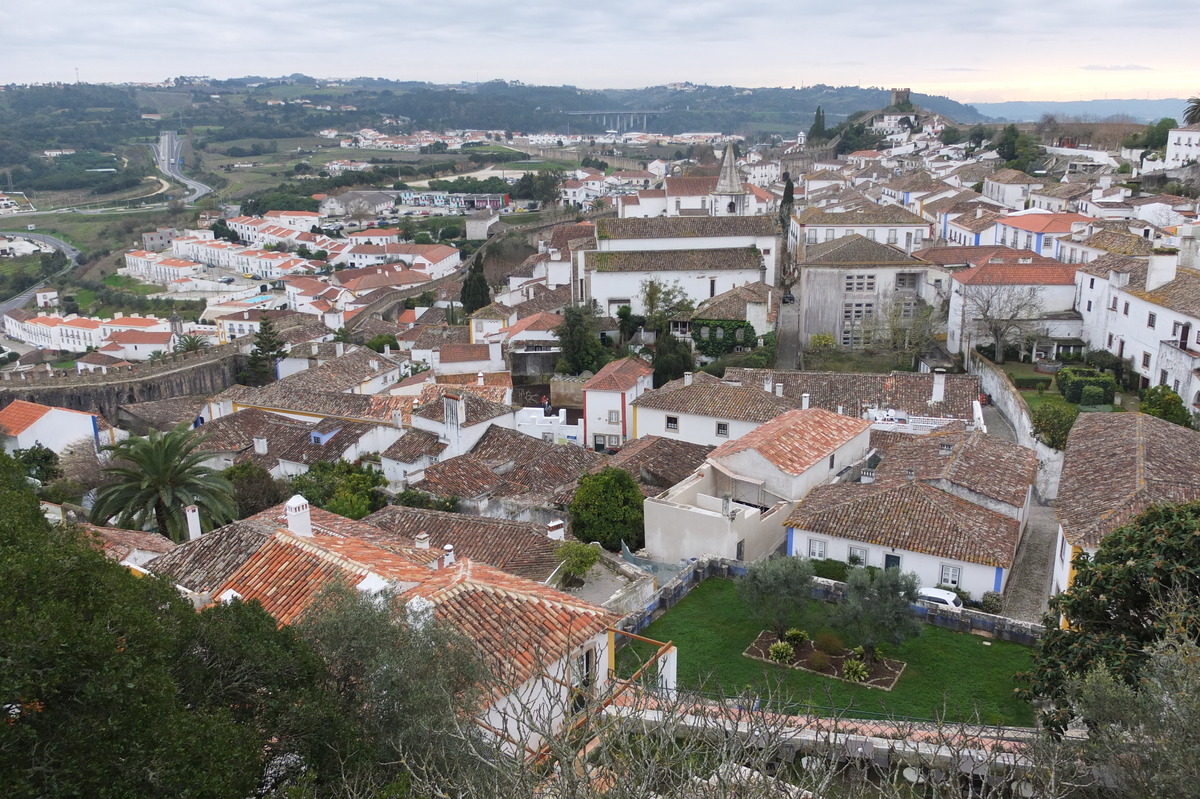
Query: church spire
x=730, y=182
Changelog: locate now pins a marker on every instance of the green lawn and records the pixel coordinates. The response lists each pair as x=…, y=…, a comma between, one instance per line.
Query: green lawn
x=948, y=674
x=130, y=284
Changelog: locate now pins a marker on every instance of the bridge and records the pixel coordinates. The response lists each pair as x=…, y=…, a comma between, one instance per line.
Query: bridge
x=619, y=121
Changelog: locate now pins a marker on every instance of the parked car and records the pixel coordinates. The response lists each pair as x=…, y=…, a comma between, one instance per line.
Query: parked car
x=225, y=280
x=940, y=596
x=789, y=299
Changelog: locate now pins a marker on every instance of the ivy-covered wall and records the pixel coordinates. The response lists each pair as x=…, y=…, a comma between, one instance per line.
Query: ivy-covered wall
x=717, y=337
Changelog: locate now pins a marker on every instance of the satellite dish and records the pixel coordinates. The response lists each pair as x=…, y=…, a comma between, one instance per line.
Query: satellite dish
x=913, y=775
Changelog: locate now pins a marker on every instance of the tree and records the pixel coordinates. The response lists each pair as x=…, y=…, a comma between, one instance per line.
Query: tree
x=817, y=131
x=787, y=202
x=377, y=343
x=346, y=489
x=1005, y=312
x=343, y=335
x=40, y=462
x=1191, y=115
x=399, y=717
x=950, y=135
x=475, y=291
x=265, y=356
x=190, y=342
x=577, y=559
x=778, y=591
x=628, y=323
x=1164, y=403
x=254, y=489
x=876, y=609
x=662, y=302
x=608, y=508
x=1052, y=422
x=1108, y=615
x=580, y=342
x=155, y=478
x=978, y=134
x=672, y=357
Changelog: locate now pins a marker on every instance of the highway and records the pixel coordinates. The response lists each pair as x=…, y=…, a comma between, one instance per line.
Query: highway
x=20, y=300
x=167, y=154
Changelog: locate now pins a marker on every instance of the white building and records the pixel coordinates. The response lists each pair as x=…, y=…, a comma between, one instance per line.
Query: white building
x=608, y=402
x=701, y=409
x=1183, y=146
x=24, y=424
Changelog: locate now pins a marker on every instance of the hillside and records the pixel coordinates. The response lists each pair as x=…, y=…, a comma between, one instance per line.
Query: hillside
x=1146, y=111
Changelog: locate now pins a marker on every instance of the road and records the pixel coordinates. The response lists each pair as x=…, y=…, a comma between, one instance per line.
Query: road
x=787, y=337
x=20, y=300
x=167, y=154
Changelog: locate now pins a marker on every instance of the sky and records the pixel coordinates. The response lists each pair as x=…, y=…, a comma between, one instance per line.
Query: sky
x=969, y=50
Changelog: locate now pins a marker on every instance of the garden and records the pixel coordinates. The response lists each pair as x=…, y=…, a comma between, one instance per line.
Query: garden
x=942, y=674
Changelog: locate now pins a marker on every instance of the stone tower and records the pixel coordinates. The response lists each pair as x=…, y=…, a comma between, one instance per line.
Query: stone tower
x=729, y=198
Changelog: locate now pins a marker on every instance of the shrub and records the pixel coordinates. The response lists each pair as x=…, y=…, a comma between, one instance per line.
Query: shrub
x=818, y=661
x=829, y=643
x=1091, y=395
x=1052, y=423
x=795, y=636
x=857, y=653
x=831, y=569
x=781, y=652
x=1072, y=380
x=1030, y=383
x=854, y=670
x=993, y=602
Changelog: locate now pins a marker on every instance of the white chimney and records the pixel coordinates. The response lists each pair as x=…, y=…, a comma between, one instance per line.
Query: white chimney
x=779, y=389
x=315, y=348
x=767, y=383
x=339, y=349
x=299, y=518
x=1161, y=270
x=479, y=379
x=448, y=558
x=387, y=350
x=374, y=365
x=556, y=530
x=422, y=540
x=419, y=611
x=193, y=522
x=398, y=419
x=260, y=445
x=939, y=385
x=804, y=401
x=687, y=378
x=1189, y=247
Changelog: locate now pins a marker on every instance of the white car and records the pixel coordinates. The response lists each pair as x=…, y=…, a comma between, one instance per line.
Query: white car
x=940, y=596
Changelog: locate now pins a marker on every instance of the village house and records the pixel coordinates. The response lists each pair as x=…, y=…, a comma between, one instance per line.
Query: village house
x=734, y=506
x=1011, y=187
x=702, y=409
x=24, y=424
x=888, y=224
x=608, y=402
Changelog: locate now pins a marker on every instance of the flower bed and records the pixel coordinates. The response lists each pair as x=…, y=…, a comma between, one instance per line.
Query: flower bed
x=883, y=674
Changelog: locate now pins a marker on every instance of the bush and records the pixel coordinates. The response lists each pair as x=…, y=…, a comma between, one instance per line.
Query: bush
x=1072, y=380
x=854, y=670
x=1091, y=395
x=993, y=602
x=795, y=636
x=781, y=652
x=1052, y=423
x=577, y=558
x=831, y=569
x=818, y=661
x=857, y=653
x=829, y=643
x=1030, y=383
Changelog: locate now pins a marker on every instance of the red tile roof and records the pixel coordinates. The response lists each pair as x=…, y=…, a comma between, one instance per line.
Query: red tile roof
x=620, y=375
x=1009, y=274
x=19, y=415
x=1044, y=223
x=797, y=440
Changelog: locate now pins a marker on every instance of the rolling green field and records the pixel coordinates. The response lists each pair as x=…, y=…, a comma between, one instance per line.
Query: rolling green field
x=950, y=675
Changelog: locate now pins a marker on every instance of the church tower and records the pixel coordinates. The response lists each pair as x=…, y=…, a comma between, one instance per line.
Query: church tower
x=729, y=198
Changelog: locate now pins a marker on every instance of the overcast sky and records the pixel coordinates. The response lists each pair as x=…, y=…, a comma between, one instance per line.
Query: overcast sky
x=970, y=50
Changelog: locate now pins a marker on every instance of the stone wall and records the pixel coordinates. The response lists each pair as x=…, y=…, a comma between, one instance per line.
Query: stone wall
x=567, y=391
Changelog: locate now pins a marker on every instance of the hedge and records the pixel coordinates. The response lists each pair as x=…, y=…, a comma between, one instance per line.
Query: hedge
x=722, y=336
x=1030, y=383
x=1072, y=379
x=1091, y=395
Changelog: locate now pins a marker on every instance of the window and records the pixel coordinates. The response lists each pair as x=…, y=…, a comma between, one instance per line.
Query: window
x=906, y=280
x=1145, y=360
x=614, y=417
x=1175, y=386
x=811, y=236
x=1151, y=320
x=853, y=337
x=740, y=334
x=1113, y=307
x=719, y=333
x=831, y=462
x=858, y=556
x=871, y=233
x=891, y=236
x=950, y=576
x=907, y=309
x=766, y=251
x=1125, y=311
x=1110, y=340
x=673, y=423
x=1162, y=377
x=1089, y=305
x=614, y=441
x=860, y=282
x=816, y=549
x=548, y=438
x=857, y=311
x=829, y=234
x=723, y=429
x=705, y=332
x=1091, y=280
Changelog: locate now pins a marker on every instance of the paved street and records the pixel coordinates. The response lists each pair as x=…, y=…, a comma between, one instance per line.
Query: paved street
x=787, y=337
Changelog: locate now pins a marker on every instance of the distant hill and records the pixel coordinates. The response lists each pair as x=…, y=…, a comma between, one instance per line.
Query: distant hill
x=1097, y=110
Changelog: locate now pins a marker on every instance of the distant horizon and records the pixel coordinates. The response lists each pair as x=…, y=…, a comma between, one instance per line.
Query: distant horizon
x=1029, y=50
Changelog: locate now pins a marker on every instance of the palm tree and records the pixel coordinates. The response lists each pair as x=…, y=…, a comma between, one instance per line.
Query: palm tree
x=190, y=342
x=1191, y=115
x=155, y=478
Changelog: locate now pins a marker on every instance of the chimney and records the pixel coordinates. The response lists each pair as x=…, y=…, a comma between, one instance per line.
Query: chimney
x=299, y=519
x=339, y=349
x=1161, y=270
x=387, y=350
x=555, y=530
x=804, y=401
x=374, y=365
x=479, y=379
x=448, y=558
x=315, y=348
x=1189, y=247
x=910, y=474
x=419, y=611
x=462, y=408
x=687, y=378
x=260, y=445
x=939, y=385
x=779, y=389
x=422, y=540
x=398, y=419
x=767, y=383
x=193, y=522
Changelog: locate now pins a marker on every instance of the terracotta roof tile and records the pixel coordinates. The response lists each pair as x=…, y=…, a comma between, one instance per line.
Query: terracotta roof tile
x=677, y=227
x=797, y=440
x=717, y=399
x=619, y=375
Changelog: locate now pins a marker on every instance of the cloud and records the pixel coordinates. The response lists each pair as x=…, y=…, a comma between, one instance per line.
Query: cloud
x=1116, y=67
